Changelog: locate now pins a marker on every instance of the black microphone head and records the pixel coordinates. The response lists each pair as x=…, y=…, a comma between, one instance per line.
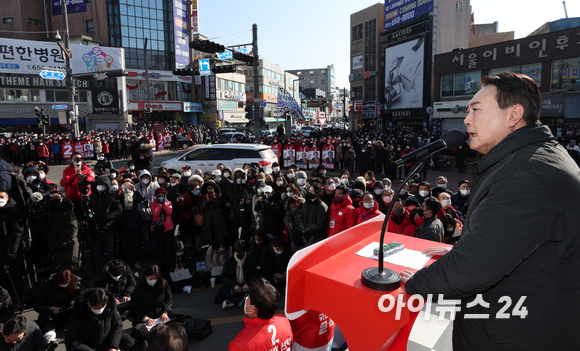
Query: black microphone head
x=453, y=138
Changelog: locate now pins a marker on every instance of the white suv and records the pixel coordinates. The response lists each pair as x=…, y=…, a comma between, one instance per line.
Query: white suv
x=206, y=158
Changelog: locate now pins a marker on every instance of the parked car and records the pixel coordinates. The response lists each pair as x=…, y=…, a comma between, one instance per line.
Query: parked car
x=225, y=137
x=184, y=142
x=207, y=157
x=226, y=130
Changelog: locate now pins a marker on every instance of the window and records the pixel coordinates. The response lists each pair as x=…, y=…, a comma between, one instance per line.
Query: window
x=566, y=74
x=311, y=72
x=8, y=20
x=245, y=153
x=370, y=45
x=533, y=71
x=323, y=71
x=34, y=22
x=218, y=154
x=299, y=73
x=90, y=27
x=200, y=154
x=460, y=84
x=357, y=32
x=19, y=95
x=370, y=87
x=458, y=6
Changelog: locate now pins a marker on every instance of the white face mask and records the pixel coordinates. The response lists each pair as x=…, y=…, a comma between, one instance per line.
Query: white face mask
x=443, y=185
x=114, y=188
x=276, y=169
x=239, y=181
x=145, y=181
x=332, y=187
x=324, y=172
x=227, y=175
x=368, y=205
x=187, y=174
x=290, y=194
x=152, y=282
x=98, y=312
x=173, y=183
x=180, y=253
x=301, y=181
x=132, y=168
x=378, y=191
x=450, y=230
x=41, y=176
x=423, y=193
x=161, y=181
x=101, y=158
x=218, y=179
x=403, y=191
x=278, y=252
x=279, y=183
x=465, y=192
x=101, y=187
x=116, y=278
x=63, y=285
x=79, y=164
x=3, y=202
x=387, y=199
x=113, y=175
x=290, y=175
x=344, y=181
x=31, y=178
x=445, y=203
x=245, y=311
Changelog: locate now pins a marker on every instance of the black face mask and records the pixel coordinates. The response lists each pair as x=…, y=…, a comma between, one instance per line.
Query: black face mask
x=420, y=212
x=240, y=257
x=310, y=196
x=54, y=202
x=398, y=212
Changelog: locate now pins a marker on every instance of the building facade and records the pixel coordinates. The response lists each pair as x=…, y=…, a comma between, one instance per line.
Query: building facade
x=316, y=78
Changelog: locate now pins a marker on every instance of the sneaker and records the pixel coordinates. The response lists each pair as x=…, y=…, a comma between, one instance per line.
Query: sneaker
x=50, y=337
x=136, y=266
x=227, y=304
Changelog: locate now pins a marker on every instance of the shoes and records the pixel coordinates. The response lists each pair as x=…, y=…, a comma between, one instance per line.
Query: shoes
x=50, y=337
x=187, y=289
x=52, y=346
x=227, y=304
x=136, y=266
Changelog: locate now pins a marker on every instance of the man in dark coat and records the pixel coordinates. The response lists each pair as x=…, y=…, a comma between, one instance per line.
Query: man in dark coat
x=313, y=217
x=432, y=228
x=117, y=279
x=236, y=281
x=214, y=222
x=21, y=335
x=106, y=208
x=11, y=231
x=519, y=249
x=62, y=229
x=96, y=324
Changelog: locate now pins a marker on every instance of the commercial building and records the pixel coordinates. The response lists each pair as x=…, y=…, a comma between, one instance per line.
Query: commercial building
x=487, y=33
x=552, y=60
x=316, y=78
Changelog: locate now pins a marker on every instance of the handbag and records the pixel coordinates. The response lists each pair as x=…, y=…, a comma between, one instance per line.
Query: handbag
x=197, y=329
x=197, y=217
x=158, y=226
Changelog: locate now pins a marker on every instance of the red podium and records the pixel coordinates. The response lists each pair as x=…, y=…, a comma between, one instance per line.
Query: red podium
x=326, y=277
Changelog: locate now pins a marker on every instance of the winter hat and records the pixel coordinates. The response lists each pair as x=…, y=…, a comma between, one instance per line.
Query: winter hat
x=360, y=179
x=301, y=174
x=356, y=193
x=160, y=191
x=197, y=178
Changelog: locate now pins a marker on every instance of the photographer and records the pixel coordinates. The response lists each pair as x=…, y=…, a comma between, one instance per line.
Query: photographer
x=62, y=230
x=11, y=230
x=103, y=164
x=106, y=209
x=147, y=189
x=74, y=178
x=129, y=224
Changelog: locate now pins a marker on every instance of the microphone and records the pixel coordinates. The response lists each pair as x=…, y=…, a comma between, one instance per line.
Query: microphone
x=449, y=140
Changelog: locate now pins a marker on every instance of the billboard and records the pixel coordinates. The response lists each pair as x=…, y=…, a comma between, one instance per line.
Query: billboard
x=181, y=32
x=28, y=57
x=72, y=6
x=357, y=62
x=404, y=72
x=399, y=12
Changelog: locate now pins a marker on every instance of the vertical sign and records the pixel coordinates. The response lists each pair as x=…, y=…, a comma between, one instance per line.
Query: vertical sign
x=195, y=27
x=210, y=87
x=180, y=30
x=71, y=6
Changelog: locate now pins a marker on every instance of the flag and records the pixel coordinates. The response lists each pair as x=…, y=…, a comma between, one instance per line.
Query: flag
x=286, y=103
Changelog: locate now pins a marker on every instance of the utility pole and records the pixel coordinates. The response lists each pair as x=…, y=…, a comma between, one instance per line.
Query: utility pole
x=148, y=108
x=74, y=121
x=343, y=104
x=257, y=109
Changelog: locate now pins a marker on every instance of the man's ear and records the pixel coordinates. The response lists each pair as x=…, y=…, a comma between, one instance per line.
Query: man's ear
x=516, y=115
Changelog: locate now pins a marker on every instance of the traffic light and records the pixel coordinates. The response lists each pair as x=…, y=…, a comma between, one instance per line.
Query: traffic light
x=240, y=56
x=207, y=46
x=39, y=115
x=46, y=119
x=88, y=76
x=344, y=118
x=249, y=111
x=116, y=73
x=188, y=71
x=224, y=69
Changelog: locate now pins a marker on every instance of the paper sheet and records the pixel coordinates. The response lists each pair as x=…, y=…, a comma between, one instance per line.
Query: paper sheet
x=157, y=321
x=406, y=258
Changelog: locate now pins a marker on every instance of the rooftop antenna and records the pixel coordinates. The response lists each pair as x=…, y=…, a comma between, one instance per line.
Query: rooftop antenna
x=565, y=11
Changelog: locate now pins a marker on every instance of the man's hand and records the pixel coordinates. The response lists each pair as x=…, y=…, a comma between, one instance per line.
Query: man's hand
x=150, y=322
x=228, y=204
x=246, y=287
x=261, y=198
x=406, y=275
x=237, y=288
x=436, y=251
x=125, y=299
x=56, y=310
x=164, y=317
x=117, y=301
x=78, y=171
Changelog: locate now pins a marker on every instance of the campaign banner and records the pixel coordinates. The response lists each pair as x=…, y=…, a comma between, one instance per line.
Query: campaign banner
x=181, y=32
x=286, y=103
x=399, y=12
x=29, y=57
x=72, y=6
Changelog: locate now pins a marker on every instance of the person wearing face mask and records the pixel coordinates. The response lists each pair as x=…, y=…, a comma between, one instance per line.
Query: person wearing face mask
x=377, y=189
x=399, y=220
x=275, y=168
x=117, y=279
x=453, y=228
x=151, y=300
x=423, y=193
x=214, y=222
x=460, y=199
x=70, y=180
x=11, y=244
x=269, y=205
x=302, y=183
x=441, y=182
x=260, y=319
x=161, y=210
x=96, y=324
x=129, y=223
x=103, y=164
x=341, y=214
x=280, y=184
x=320, y=172
x=63, y=228
x=54, y=300
x=385, y=199
x=103, y=226
x=293, y=210
x=226, y=179
x=142, y=154
x=290, y=175
x=147, y=190
x=216, y=256
x=368, y=208
x=447, y=208
x=190, y=205
x=312, y=219
x=42, y=150
x=432, y=228
x=239, y=271
x=275, y=262
x=238, y=199
x=350, y=158
x=328, y=191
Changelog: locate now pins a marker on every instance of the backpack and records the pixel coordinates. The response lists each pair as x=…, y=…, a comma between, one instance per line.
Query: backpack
x=197, y=329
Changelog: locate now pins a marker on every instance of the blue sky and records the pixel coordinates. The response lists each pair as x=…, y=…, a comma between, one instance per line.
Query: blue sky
x=312, y=34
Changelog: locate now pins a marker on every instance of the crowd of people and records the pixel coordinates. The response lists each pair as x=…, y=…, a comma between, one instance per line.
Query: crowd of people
x=246, y=222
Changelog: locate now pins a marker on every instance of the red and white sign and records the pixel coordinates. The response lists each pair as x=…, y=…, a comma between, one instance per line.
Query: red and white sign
x=322, y=121
x=321, y=114
x=194, y=22
x=155, y=106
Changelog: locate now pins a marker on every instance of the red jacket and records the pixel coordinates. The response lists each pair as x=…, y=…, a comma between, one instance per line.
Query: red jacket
x=264, y=335
x=70, y=181
x=340, y=217
x=156, y=212
x=404, y=228
x=42, y=150
x=363, y=215
x=312, y=331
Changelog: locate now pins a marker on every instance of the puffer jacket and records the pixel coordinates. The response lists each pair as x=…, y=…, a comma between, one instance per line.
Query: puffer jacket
x=167, y=209
x=340, y=217
x=213, y=214
x=148, y=193
x=123, y=287
x=313, y=217
x=363, y=215
x=106, y=208
x=150, y=301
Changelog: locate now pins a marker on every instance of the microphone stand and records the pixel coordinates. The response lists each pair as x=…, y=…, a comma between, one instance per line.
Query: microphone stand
x=380, y=278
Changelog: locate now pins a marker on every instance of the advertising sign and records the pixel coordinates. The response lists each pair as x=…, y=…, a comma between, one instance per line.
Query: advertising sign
x=105, y=97
x=399, y=12
x=357, y=62
x=210, y=88
x=29, y=57
x=181, y=32
x=72, y=6
x=194, y=18
x=404, y=71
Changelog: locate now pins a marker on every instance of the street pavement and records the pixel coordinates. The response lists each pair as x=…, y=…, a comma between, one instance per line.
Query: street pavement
x=227, y=323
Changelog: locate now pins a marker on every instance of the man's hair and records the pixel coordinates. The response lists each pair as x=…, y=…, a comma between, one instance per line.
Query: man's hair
x=516, y=89
x=240, y=246
x=425, y=184
x=341, y=188
x=265, y=297
x=16, y=324
x=433, y=204
x=116, y=268
x=167, y=337
x=96, y=296
x=317, y=188
x=463, y=181
x=442, y=177
x=74, y=154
